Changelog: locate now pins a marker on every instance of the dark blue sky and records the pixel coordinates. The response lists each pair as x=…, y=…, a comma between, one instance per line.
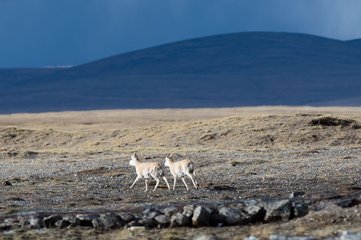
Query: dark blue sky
x=36, y=33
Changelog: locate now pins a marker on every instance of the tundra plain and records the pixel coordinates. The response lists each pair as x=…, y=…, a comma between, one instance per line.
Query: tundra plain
x=79, y=161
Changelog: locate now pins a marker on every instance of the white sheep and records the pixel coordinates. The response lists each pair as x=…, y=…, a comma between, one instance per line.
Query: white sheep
x=147, y=169
x=180, y=169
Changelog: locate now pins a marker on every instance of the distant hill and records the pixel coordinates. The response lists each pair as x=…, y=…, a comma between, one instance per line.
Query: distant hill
x=240, y=69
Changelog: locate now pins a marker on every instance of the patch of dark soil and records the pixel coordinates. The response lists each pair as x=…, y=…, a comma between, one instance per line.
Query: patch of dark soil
x=30, y=154
x=334, y=121
x=223, y=188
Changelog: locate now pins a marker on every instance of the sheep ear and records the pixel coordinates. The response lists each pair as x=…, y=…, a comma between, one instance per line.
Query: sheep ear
x=171, y=155
x=135, y=155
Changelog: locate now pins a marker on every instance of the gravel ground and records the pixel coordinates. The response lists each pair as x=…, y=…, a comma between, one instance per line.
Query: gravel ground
x=79, y=168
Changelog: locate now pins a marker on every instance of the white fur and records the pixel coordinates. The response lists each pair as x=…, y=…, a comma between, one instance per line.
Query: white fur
x=147, y=170
x=180, y=169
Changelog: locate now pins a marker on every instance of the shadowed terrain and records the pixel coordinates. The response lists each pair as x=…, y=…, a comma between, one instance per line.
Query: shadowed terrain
x=240, y=69
x=79, y=161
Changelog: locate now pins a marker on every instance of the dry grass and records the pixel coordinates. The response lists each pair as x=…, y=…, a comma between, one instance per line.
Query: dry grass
x=79, y=160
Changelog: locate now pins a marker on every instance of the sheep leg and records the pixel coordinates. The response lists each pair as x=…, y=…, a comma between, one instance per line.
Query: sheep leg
x=136, y=180
x=190, y=176
x=175, y=180
x=146, y=185
x=184, y=181
x=166, y=181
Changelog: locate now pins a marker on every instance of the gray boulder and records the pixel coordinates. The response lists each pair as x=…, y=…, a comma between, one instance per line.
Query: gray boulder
x=255, y=213
x=179, y=220
x=86, y=220
x=201, y=216
x=296, y=194
x=188, y=210
x=126, y=217
x=62, y=223
x=169, y=211
x=107, y=221
x=163, y=220
x=50, y=221
x=36, y=222
x=234, y=216
x=277, y=210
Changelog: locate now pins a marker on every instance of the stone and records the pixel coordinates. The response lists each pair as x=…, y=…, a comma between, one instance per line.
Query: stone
x=50, y=221
x=107, y=221
x=126, y=217
x=296, y=194
x=234, y=216
x=72, y=220
x=277, y=210
x=7, y=183
x=255, y=213
x=179, y=220
x=206, y=237
x=135, y=223
x=346, y=235
x=217, y=220
x=201, y=216
x=5, y=227
x=62, y=223
x=163, y=220
x=169, y=211
x=149, y=222
x=85, y=220
x=151, y=212
x=347, y=203
x=188, y=210
x=299, y=208
x=36, y=222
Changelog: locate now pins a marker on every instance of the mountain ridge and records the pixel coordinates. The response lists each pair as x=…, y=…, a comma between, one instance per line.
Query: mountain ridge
x=238, y=69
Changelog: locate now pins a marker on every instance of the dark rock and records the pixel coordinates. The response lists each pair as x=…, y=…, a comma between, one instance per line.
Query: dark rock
x=126, y=217
x=169, y=211
x=179, y=220
x=107, y=221
x=296, y=194
x=50, y=221
x=72, y=220
x=277, y=210
x=151, y=212
x=234, y=216
x=5, y=227
x=7, y=183
x=201, y=216
x=255, y=213
x=188, y=210
x=299, y=208
x=163, y=220
x=135, y=223
x=62, y=223
x=217, y=220
x=347, y=203
x=206, y=237
x=149, y=222
x=36, y=222
x=85, y=220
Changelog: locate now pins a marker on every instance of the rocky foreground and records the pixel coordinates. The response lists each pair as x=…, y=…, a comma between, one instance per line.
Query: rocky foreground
x=265, y=176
